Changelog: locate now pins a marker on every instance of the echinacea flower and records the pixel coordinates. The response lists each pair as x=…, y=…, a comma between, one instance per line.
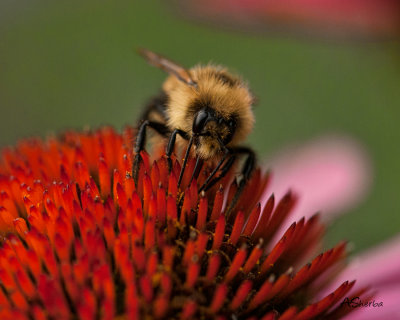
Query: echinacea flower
x=82, y=241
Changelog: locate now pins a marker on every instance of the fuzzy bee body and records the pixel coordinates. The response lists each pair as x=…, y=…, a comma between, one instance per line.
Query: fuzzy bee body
x=208, y=107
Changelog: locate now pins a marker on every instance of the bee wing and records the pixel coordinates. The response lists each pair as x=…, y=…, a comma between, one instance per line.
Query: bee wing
x=167, y=65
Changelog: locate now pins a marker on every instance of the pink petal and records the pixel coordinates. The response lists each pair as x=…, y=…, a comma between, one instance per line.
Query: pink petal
x=359, y=17
x=330, y=175
x=378, y=267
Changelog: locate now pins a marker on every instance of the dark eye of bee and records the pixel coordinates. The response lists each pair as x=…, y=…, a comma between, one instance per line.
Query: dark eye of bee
x=200, y=121
x=232, y=127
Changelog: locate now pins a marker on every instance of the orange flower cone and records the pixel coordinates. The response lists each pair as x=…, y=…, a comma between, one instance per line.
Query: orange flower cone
x=81, y=241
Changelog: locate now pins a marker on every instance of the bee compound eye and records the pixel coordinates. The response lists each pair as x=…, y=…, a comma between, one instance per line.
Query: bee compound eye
x=232, y=124
x=200, y=121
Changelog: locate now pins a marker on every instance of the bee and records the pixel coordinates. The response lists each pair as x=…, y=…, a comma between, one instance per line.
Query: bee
x=208, y=107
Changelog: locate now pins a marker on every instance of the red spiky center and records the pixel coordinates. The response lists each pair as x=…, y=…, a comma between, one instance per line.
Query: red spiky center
x=84, y=242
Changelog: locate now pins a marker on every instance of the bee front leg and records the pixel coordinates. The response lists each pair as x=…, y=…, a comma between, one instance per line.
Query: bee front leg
x=224, y=170
x=171, y=145
x=197, y=168
x=247, y=170
x=141, y=142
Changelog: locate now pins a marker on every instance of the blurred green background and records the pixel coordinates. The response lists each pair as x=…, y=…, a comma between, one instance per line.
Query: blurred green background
x=70, y=64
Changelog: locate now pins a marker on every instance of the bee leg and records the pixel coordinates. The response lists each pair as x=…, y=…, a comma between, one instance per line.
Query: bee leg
x=209, y=183
x=141, y=142
x=171, y=145
x=185, y=161
x=246, y=172
x=197, y=168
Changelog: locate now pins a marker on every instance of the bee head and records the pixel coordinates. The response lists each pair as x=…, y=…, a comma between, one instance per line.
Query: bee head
x=217, y=113
x=212, y=132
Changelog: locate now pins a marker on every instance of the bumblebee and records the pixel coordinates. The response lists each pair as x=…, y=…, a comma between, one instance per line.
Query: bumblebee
x=206, y=106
